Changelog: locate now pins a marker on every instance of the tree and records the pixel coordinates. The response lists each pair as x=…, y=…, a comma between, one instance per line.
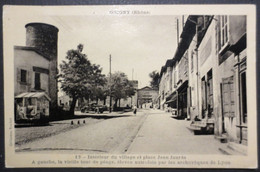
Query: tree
x=78, y=76
x=97, y=90
x=155, y=76
x=120, y=86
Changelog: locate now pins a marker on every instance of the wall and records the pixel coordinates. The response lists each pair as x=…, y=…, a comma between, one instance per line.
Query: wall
x=183, y=68
x=193, y=78
x=146, y=93
x=162, y=91
x=168, y=81
x=26, y=59
x=237, y=28
x=207, y=60
x=45, y=38
x=224, y=70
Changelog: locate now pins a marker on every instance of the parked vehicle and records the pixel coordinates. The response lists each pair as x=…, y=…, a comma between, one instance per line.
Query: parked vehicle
x=94, y=108
x=32, y=107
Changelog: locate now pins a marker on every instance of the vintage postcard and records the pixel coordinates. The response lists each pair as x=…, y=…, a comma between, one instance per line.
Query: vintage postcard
x=165, y=86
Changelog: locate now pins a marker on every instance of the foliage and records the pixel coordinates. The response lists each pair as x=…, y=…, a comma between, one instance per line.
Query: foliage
x=120, y=86
x=78, y=76
x=155, y=77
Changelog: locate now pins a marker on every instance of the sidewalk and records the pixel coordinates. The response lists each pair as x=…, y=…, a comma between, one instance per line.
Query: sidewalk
x=161, y=133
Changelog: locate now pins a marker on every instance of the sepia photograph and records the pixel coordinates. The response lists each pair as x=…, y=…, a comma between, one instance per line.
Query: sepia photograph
x=130, y=86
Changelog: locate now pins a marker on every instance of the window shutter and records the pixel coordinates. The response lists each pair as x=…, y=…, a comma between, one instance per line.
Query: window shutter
x=232, y=97
x=228, y=97
x=203, y=95
x=18, y=73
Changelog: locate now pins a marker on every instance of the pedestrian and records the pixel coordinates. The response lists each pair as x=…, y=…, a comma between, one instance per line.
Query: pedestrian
x=135, y=109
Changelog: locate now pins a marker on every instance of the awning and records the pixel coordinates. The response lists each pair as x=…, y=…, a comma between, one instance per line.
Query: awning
x=173, y=97
x=183, y=86
x=33, y=95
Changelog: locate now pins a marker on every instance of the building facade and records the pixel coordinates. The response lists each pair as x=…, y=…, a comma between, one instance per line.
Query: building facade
x=146, y=96
x=209, y=76
x=35, y=64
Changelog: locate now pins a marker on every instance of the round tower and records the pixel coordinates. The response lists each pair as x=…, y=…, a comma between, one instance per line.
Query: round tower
x=44, y=38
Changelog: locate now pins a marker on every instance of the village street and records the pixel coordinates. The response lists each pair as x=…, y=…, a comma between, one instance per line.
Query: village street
x=150, y=131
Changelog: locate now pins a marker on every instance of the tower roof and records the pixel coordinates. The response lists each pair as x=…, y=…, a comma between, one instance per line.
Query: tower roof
x=41, y=24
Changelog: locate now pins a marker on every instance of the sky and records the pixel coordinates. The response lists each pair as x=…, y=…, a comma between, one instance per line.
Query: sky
x=138, y=44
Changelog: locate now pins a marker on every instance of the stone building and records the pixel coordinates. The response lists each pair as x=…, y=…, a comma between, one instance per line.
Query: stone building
x=35, y=64
x=210, y=62
x=165, y=86
x=161, y=98
x=231, y=79
x=146, y=96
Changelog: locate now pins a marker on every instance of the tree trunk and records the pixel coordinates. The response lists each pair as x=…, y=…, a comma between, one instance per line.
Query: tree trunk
x=72, y=106
x=115, y=105
x=119, y=102
x=97, y=100
x=105, y=100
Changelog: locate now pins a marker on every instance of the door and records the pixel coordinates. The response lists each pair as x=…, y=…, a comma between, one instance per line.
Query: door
x=222, y=109
x=243, y=103
x=204, y=97
x=210, y=106
x=228, y=101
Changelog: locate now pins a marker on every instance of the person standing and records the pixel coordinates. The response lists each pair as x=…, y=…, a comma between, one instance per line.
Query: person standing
x=135, y=109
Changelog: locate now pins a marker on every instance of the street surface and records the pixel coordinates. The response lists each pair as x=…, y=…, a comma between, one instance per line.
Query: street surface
x=162, y=134
x=150, y=131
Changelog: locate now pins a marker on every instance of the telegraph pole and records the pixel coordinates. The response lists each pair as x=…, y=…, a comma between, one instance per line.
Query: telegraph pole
x=133, y=83
x=110, y=96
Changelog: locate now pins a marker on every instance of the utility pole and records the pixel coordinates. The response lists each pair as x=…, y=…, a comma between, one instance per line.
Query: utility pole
x=110, y=95
x=133, y=83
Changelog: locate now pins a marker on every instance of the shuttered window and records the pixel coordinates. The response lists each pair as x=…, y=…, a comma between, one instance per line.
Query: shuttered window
x=23, y=75
x=228, y=97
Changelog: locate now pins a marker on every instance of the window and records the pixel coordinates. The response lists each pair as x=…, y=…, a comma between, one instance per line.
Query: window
x=23, y=75
x=37, y=81
x=223, y=31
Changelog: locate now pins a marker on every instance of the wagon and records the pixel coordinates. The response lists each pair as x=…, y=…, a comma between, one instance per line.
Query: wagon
x=32, y=107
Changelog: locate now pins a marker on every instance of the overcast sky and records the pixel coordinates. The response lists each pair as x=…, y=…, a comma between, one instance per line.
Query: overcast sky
x=139, y=43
